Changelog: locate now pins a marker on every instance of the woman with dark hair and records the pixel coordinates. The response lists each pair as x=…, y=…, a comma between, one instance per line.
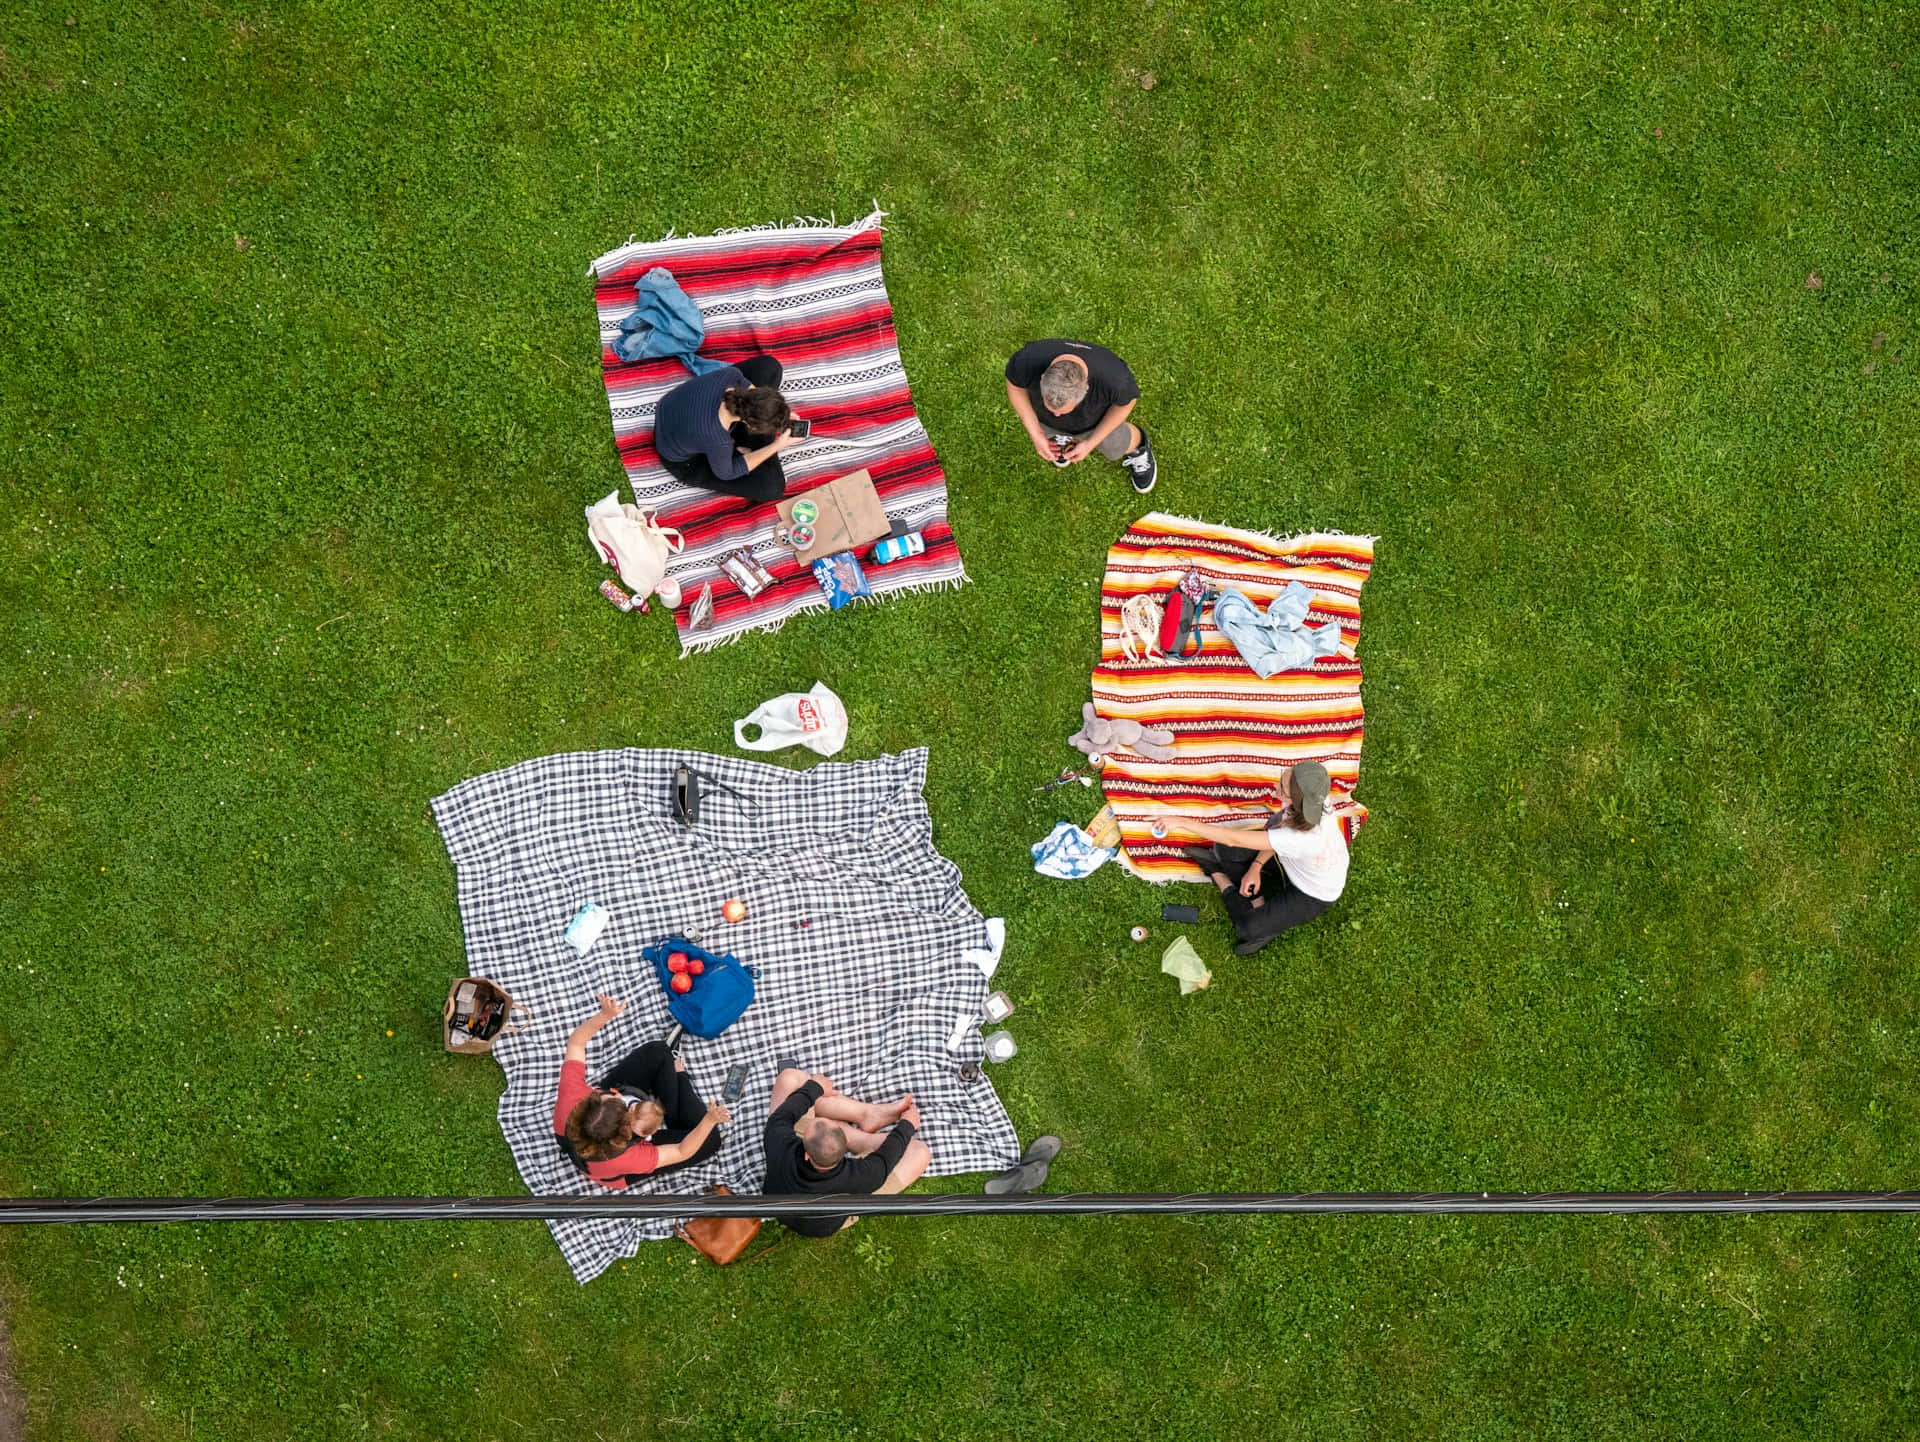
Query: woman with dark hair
x=724, y=431
x=645, y=1117
x=1293, y=870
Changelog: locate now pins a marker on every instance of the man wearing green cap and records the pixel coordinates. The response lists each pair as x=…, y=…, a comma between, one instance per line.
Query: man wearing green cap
x=1297, y=869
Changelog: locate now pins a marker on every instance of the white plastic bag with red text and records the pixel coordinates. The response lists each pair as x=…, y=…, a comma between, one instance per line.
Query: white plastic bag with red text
x=814, y=719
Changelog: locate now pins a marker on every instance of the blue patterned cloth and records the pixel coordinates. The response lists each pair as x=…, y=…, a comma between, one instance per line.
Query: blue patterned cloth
x=1067, y=853
x=667, y=323
x=1279, y=640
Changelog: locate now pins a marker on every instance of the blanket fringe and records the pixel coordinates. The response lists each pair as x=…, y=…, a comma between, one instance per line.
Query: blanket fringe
x=809, y=222
x=871, y=221
x=714, y=643
x=1297, y=538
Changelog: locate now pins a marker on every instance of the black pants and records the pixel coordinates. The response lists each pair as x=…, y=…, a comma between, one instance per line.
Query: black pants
x=650, y=1069
x=1286, y=905
x=766, y=481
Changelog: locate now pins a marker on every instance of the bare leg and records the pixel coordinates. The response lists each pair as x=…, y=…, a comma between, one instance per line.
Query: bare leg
x=859, y=1140
x=868, y=1116
x=905, y=1173
x=907, y=1170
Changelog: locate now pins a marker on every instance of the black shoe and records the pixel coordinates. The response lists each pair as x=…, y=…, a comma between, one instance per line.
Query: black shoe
x=674, y=1037
x=1248, y=948
x=1141, y=467
x=1204, y=857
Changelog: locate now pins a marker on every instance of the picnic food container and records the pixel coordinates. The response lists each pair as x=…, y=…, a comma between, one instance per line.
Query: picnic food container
x=1000, y=1046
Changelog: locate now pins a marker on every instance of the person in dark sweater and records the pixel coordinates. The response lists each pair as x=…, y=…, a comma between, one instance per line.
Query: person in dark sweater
x=724, y=431
x=821, y=1142
x=1074, y=399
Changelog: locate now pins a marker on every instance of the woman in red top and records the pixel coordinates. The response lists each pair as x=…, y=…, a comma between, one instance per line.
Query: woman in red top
x=645, y=1116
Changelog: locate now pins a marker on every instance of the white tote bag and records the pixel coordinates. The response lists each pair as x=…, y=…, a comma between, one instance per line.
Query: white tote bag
x=814, y=719
x=634, y=543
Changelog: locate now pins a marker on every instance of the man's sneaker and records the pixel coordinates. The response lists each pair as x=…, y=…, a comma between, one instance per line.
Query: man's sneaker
x=1140, y=465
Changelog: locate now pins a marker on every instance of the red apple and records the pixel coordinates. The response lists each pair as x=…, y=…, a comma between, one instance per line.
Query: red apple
x=695, y=966
x=681, y=982
x=735, y=909
x=677, y=963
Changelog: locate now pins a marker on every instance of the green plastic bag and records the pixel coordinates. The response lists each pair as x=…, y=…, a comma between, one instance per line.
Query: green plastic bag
x=1182, y=961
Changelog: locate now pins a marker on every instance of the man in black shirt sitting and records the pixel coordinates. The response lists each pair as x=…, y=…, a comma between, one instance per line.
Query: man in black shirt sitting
x=821, y=1142
x=1074, y=399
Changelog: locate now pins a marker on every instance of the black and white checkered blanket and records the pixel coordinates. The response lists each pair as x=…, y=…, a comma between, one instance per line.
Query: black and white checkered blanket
x=854, y=921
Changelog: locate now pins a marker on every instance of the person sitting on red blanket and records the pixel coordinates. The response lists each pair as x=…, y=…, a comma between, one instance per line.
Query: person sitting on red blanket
x=645, y=1117
x=724, y=431
x=1295, y=868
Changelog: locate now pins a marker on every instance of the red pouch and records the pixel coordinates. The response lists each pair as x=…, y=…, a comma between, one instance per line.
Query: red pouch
x=1179, y=623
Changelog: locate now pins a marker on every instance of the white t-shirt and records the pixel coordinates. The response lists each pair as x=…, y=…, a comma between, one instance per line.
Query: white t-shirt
x=1315, y=860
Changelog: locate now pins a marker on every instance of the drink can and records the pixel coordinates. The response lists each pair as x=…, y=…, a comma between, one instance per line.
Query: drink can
x=613, y=593
x=898, y=548
x=1139, y=933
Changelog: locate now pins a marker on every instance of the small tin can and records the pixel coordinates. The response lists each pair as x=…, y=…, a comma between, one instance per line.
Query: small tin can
x=968, y=1071
x=1139, y=933
x=805, y=513
x=800, y=537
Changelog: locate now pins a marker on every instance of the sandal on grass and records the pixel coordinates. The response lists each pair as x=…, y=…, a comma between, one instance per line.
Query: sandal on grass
x=1031, y=1172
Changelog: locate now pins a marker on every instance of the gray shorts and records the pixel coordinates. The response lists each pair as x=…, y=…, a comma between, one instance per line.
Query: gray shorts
x=1113, y=447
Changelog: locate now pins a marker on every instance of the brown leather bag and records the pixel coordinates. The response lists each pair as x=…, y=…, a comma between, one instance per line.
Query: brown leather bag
x=719, y=1239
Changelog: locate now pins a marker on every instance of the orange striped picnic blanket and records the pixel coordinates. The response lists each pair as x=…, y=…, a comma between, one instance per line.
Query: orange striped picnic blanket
x=1234, y=734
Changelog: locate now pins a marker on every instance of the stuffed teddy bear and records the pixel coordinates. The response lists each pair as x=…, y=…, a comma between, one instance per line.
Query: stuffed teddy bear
x=1099, y=736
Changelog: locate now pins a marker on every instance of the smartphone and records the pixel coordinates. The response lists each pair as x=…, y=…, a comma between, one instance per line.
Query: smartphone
x=1171, y=912
x=799, y=429
x=736, y=1083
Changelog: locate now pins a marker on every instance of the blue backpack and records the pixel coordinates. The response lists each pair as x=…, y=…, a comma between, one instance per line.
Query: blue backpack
x=722, y=991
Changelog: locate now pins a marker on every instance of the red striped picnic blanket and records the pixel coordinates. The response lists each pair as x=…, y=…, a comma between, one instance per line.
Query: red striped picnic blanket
x=1234, y=734
x=812, y=296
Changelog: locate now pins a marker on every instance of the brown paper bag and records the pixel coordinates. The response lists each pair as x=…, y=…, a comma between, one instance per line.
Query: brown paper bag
x=851, y=516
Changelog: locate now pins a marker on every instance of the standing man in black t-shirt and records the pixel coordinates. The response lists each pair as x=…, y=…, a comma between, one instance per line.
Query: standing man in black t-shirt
x=821, y=1142
x=1075, y=399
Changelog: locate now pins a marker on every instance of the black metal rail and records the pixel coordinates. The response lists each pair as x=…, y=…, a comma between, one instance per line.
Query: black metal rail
x=19, y=1211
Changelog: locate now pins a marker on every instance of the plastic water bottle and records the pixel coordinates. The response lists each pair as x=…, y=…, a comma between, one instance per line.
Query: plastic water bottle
x=898, y=548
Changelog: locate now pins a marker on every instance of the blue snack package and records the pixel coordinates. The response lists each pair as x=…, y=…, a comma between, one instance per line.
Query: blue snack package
x=841, y=578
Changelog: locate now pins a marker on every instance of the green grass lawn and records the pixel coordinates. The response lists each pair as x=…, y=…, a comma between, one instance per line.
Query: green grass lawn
x=1600, y=316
